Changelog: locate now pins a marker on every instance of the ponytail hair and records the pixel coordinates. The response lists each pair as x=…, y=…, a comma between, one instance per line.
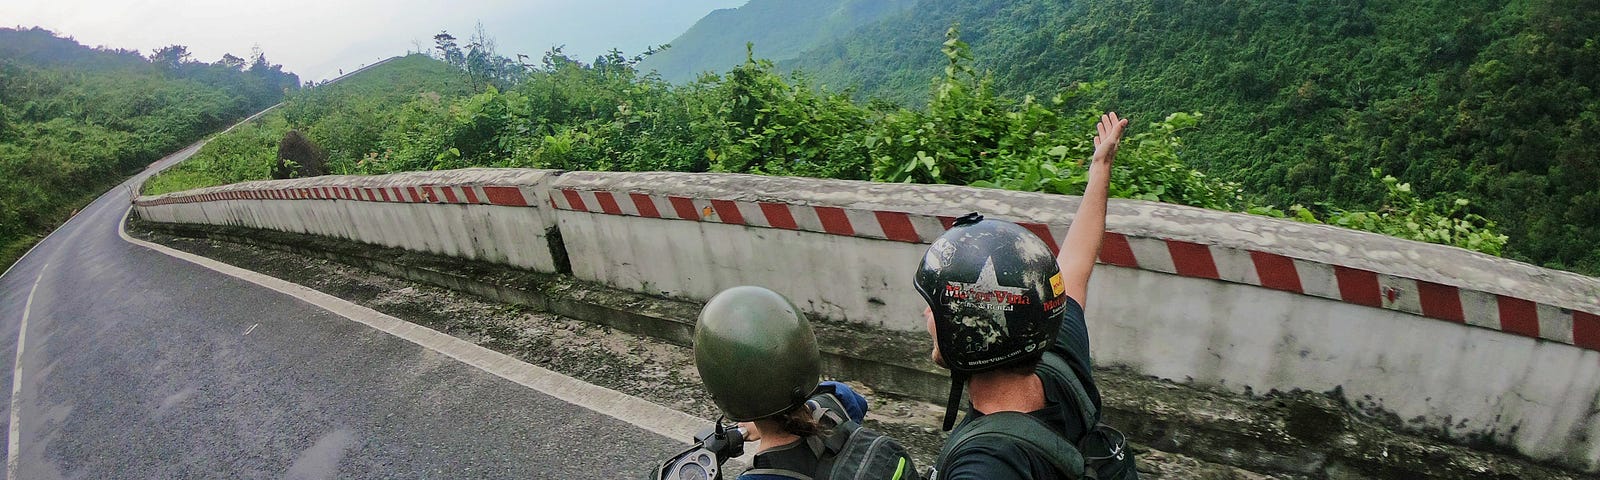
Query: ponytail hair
x=798, y=421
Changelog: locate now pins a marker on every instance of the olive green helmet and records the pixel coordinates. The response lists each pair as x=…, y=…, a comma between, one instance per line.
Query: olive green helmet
x=756, y=353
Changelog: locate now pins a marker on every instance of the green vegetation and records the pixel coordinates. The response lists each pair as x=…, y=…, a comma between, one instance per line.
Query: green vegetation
x=1491, y=101
x=75, y=120
x=413, y=114
x=780, y=29
x=348, y=118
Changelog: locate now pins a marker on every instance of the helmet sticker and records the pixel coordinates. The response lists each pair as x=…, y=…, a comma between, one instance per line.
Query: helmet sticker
x=939, y=254
x=1056, y=286
x=1031, y=246
x=981, y=307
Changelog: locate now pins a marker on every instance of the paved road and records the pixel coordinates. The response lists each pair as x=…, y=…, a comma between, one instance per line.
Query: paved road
x=136, y=364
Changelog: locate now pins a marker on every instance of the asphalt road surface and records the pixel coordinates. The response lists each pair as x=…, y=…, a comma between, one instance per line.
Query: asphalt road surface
x=137, y=364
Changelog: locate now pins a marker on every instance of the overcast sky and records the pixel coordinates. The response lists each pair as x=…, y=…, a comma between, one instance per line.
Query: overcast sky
x=317, y=38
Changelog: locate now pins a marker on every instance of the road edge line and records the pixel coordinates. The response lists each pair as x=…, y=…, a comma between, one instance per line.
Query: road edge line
x=14, y=428
x=645, y=414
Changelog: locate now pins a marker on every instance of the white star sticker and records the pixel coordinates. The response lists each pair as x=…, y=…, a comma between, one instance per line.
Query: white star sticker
x=988, y=281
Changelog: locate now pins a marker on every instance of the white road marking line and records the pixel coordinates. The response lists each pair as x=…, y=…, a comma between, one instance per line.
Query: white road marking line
x=252, y=328
x=650, y=416
x=14, y=438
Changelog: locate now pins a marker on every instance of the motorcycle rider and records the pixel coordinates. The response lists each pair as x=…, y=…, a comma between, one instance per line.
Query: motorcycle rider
x=758, y=358
x=1007, y=319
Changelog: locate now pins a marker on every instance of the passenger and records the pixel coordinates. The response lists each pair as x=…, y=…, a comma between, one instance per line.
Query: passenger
x=758, y=357
x=1007, y=320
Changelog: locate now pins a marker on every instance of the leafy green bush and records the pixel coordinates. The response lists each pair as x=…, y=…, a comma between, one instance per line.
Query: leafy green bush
x=971, y=135
x=763, y=123
x=1405, y=215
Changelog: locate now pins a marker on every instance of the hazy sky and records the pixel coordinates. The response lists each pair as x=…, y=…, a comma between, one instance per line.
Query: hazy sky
x=318, y=38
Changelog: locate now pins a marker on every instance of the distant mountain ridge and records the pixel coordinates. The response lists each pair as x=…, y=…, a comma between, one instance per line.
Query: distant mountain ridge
x=780, y=30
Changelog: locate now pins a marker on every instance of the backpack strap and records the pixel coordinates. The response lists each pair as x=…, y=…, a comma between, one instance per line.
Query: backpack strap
x=1078, y=396
x=827, y=410
x=1021, y=429
x=1088, y=417
x=834, y=444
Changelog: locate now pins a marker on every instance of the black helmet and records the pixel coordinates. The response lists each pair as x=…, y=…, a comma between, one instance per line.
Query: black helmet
x=756, y=353
x=996, y=294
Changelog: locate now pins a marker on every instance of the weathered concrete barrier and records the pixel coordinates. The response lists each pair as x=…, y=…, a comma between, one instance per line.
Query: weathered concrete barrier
x=1445, y=340
x=491, y=215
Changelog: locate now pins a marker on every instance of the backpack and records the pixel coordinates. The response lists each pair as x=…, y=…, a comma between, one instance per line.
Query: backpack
x=849, y=452
x=1107, y=448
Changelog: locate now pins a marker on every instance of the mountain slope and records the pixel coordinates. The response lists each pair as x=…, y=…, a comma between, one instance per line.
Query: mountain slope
x=1490, y=99
x=780, y=29
x=74, y=120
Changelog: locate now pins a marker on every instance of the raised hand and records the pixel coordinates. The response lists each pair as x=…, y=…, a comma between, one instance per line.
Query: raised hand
x=1108, y=135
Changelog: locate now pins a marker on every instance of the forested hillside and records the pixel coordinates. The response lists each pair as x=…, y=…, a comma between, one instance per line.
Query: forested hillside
x=75, y=120
x=422, y=113
x=780, y=30
x=352, y=120
x=1491, y=100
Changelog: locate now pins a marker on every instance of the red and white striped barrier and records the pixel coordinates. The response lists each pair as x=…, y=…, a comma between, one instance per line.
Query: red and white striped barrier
x=505, y=195
x=1216, y=262
x=1271, y=270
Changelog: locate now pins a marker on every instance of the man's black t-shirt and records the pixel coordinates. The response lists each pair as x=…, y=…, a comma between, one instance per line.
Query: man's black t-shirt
x=795, y=457
x=1001, y=460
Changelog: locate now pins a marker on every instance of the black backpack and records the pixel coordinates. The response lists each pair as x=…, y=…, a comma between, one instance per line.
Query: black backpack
x=1106, y=448
x=849, y=452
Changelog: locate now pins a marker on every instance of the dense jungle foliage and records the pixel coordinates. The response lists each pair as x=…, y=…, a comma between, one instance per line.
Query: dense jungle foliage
x=418, y=114
x=76, y=120
x=1488, y=100
x=780, y=29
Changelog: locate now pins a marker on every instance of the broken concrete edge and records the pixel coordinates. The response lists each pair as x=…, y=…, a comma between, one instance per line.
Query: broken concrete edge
x=1295, y=432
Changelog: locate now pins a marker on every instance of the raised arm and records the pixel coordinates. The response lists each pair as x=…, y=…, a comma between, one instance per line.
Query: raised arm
x=1082, y=246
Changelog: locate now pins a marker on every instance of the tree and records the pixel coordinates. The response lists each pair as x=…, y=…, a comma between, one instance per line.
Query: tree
x=171, y=56
x=5, y=123
x=448, y=50
x=482, y=64
x=259, y=63
x=230, y=61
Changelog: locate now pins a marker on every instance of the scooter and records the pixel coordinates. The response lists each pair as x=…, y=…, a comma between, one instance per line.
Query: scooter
x=703, y=460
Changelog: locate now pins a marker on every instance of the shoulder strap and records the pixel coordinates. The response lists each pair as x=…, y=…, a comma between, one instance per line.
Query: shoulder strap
x=1022, y=429
x=832, y=445
x=827, y=410
x=1088, y=417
